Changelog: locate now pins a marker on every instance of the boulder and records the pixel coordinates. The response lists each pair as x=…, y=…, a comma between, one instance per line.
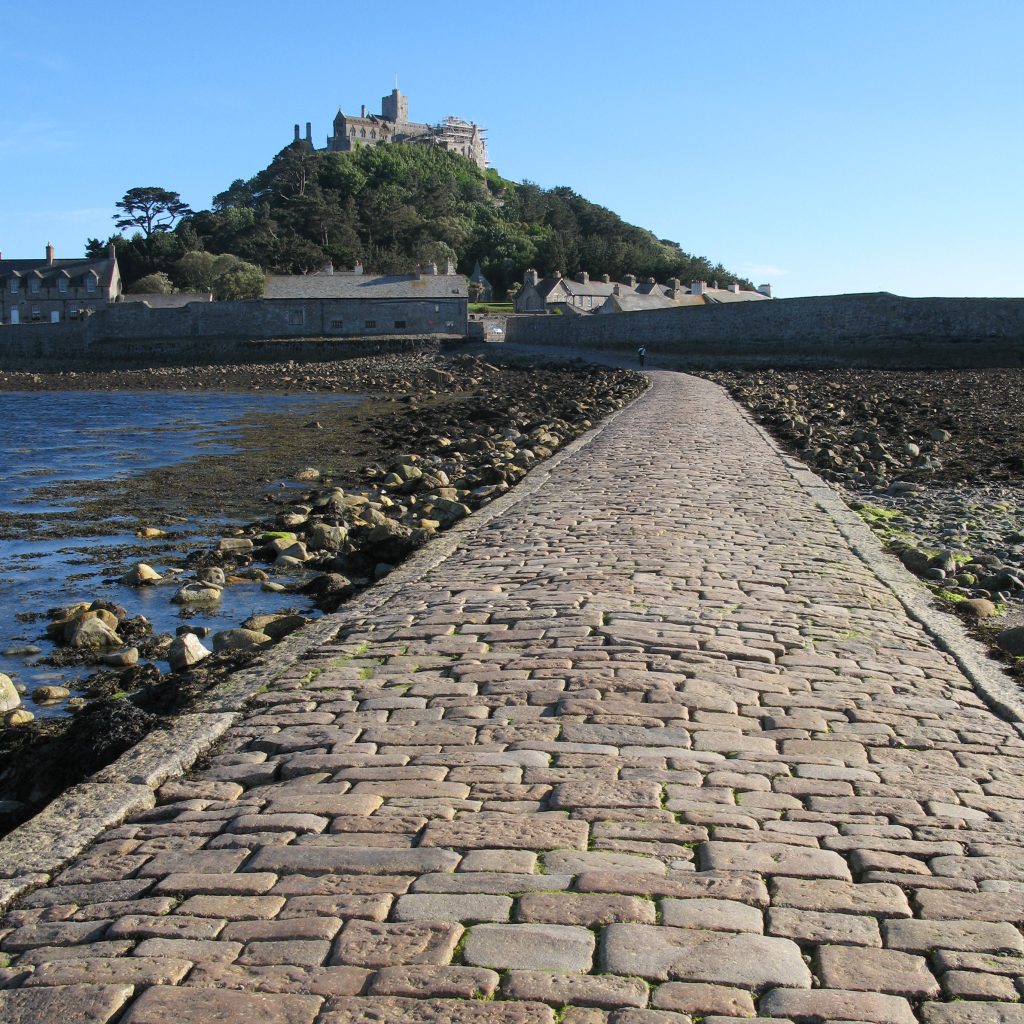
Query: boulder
x=90, y=633
x=141, y=575
x=19, y=716
x=235, y=546
x=979, y=608
x=50, y=694
x=916, y=561
x=9, y=697
x=121, y=659
x=239, y=639
x=186, y=650
x=307, y=475
x=198, y=593
x=326, y=538
x=275, y=626
x=1012, y=641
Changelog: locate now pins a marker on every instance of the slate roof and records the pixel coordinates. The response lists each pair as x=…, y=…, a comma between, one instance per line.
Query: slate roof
x=76, y=269
x=631, y=302
x=366, y=286
x=714, y=296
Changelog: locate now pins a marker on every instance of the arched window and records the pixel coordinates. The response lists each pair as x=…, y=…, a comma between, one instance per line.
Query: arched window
x=352, y=132
x=373, y=133
x=362, y=133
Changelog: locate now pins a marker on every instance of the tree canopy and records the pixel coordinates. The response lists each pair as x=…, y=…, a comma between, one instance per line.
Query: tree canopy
x=392, y=207
x=150, y=210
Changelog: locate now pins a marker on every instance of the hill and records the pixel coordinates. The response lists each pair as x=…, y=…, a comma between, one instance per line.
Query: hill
x=394, y=206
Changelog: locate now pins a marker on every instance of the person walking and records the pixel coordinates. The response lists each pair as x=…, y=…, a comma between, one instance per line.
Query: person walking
x=641, y=355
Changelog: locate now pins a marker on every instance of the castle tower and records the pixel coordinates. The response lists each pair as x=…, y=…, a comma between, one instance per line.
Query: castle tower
x=395, y=107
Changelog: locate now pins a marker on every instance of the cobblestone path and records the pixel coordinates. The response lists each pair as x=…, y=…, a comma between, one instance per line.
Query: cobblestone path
x=655, y=746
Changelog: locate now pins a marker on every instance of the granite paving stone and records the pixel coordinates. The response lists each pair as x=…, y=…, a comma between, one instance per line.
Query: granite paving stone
x=653, y=736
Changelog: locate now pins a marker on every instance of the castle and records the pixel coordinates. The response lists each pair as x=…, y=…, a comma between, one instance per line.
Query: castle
x=392, y=125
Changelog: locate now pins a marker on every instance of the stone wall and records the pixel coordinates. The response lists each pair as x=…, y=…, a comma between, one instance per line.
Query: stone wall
x=262, y=330
x=876, y=330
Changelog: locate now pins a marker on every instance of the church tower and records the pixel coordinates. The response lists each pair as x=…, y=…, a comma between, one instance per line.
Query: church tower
x=395, y=107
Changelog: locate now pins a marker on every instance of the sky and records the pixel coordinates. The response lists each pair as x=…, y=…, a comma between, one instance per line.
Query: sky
x=822, y=147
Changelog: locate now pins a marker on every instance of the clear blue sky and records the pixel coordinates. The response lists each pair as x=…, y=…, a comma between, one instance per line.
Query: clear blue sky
x=821, y=146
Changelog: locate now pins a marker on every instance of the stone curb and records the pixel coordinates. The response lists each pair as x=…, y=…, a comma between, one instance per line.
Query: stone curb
x=51, y=839
x=991, y=683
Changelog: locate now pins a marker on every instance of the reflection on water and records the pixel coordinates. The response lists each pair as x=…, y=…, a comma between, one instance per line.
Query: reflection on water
x=62, y=437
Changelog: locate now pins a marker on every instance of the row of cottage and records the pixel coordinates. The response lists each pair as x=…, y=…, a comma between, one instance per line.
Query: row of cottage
x=428, y=301
x=580, y=294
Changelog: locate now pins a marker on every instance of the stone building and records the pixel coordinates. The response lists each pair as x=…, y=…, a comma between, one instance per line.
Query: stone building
x=392, y=126
x=581, y=294
x=425, y=302
x=52, y=290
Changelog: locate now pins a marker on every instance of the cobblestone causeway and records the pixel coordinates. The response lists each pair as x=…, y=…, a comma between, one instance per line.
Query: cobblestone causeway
x=654, y=746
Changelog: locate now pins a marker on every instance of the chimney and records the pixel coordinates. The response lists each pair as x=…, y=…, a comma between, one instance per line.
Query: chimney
x=309, y=133
x=111, y=251
x=697, y=287
x=615, y=290
x=629, y=280
x=358, y=268
x=605, y=279
x=328, y=268
x=296, y=133
x=714, y=285
x=449, y=267
x=363, y=109
x=583, y=277
x=431, y=270
x=557, y=275
x=49, y=254
x=530, y=278
x=734, y=288
x=766, y=290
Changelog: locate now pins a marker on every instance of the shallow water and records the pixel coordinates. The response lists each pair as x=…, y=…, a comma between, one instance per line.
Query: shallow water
x=63, y=437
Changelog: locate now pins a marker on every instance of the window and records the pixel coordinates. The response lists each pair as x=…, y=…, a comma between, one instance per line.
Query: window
x=90, y=284
x=362, y=133
x=35, y=286
x=296, y=317
x=14, y=286
x=400, y=323
x=337, y=325
x=36, y=313
x=369, y=323
x=62, y=285
x=373, y=133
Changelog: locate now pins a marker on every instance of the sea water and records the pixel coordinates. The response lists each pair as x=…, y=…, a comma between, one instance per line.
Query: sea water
x=49, y=438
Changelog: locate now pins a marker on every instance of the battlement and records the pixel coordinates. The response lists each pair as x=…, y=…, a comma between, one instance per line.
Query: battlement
x=392, y=126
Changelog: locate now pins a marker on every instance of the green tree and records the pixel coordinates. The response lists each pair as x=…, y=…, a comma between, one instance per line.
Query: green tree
x=151, y=210
x=238, y=280
x=153, y=284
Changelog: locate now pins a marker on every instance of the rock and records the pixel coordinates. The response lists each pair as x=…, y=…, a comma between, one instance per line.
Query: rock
x=273, y=588
x=198, y=593
x=235, y=546
x=939, y=435
x=122, y=659
x=9, y=698
x=22, y=650
x=92, y=632
x=50, y=694
x=1012, y=641
x=944, y=560
x=251, y=575
x=933, y=573
x=330, y=585
x=288, y=562
x=186, y=651
x=326, y=538
x=296, y=550
x=19, y=716
x=275, y=626
x=141, y=575
x=307, y=475
x=979, y=608
x=916, y=561
x=238, y=640
x=151, y=533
